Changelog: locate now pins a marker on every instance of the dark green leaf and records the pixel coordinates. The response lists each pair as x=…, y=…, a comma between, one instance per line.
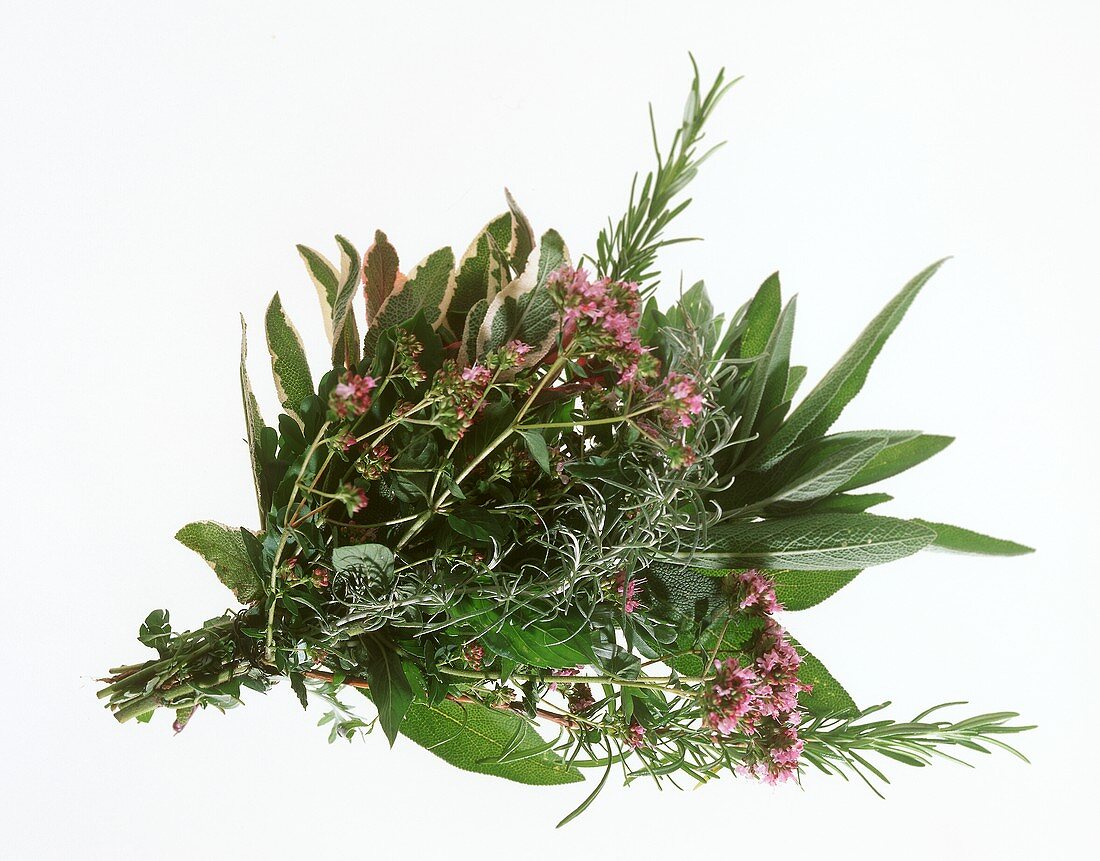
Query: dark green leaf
x=828, y=696
x=389, y=687
x=799, y=590
x=536, y=445
x=761, y=317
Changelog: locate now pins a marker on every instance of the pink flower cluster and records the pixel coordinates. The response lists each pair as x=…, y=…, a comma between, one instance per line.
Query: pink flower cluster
x=635, y=734
x=755, y=591
x=630, y=589
x=683, y=400
x=351, y=397
x=474, y=654
x=603, y=315
x=760, y=700
x=354, y=498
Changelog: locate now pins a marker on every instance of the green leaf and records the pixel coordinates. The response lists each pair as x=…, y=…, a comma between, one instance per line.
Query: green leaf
x=552, y=643
x=525, y=309
x=692, y=593
x=476, y=316
x=288, y=360
x=479, y=274
x=428, y=288
x=795, y=377
x=345, y=334
x=735, y=629
x=380, y=274
x=536, y=445
x=522, y=240
x=224, y=550
x=389, y=687
x=254, y=425
x=811, y=542
x=817, y=412
x=769, y=375
x=848, y=503
x=898, y=457
x=371, y=561
x=828, y=696
x=475, y=738
x=815, y=469
x=326, y=279
x=298, y=685
x=761, y=317
x=155, y=631
x=960, y=540
x=800, y=590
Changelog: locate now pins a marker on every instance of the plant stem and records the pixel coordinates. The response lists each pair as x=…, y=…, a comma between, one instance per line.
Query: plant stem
x=362, y=684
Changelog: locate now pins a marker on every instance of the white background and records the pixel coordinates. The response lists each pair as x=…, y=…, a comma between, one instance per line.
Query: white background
x=159, y=161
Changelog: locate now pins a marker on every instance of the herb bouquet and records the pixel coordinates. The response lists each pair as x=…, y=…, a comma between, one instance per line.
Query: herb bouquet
x=526, y=498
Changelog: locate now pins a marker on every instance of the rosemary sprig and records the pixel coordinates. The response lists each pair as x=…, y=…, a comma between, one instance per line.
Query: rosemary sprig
x=627, y=251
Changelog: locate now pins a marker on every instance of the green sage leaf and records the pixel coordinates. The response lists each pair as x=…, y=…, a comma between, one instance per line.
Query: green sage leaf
x=817, y=412
x=960, y=540
x=811, y=542
x=224, y=550
x=289, y=365
x=475, y=738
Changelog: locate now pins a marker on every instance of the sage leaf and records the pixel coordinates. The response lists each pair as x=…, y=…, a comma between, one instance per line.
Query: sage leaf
x=224, y=550
x=800, y=590
x=374, y=562
x=828, y=696
x=344, y=332
x=475, y=738
x=761, y=317
x=959, y=540
x=289, y=365
x=428, y=288
x=821, y=407
x=326, y=279
x=524, y=310
x=811, y=542
x=898, y=457
x=254, y=425
x=380, y=274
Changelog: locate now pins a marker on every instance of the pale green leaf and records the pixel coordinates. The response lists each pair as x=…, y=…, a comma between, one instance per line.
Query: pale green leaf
x=811, y=542
x=345, y=334
x=959, y=540
x=326, y=279
x=289, y=366
x=224, y=550
x=253, y=423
